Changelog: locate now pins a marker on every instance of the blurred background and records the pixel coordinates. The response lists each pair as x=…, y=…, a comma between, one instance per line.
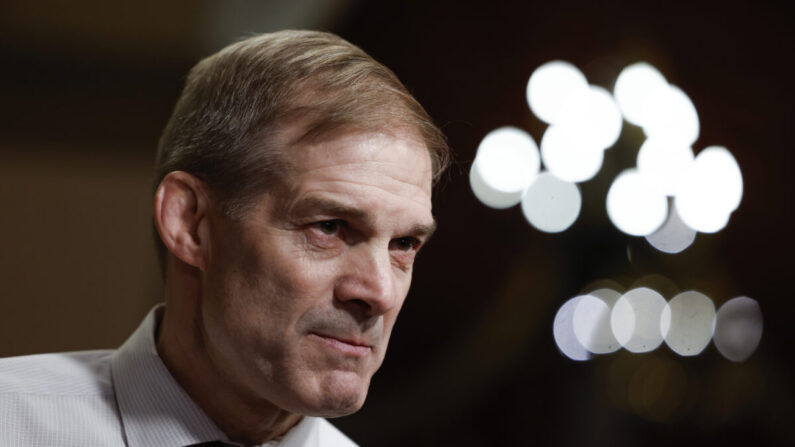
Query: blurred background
x=86, y=87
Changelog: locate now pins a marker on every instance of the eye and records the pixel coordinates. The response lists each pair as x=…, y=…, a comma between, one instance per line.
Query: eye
x=330, y=227
x=405, y=243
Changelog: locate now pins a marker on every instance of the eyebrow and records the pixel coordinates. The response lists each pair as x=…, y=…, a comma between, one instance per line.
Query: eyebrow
x=335, y=208
x=425, y=231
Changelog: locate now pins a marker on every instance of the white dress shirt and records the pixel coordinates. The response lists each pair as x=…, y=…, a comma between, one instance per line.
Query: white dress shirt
x=125, y=397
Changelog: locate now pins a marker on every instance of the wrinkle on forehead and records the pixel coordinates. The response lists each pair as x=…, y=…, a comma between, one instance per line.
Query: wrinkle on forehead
x=403, y=158
x=366, y=176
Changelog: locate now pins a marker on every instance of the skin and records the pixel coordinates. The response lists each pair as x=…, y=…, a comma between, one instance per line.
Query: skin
x=288, y=311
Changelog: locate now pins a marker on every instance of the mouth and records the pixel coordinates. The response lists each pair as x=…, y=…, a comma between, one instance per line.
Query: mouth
x=345, y=346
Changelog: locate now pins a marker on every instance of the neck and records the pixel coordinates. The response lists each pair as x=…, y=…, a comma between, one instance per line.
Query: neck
x=181, y=347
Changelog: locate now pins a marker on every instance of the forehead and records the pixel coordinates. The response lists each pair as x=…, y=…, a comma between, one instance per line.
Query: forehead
x=387, y=171
x=401, y=152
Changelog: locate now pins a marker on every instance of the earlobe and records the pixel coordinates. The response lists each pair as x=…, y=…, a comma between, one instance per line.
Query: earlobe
x=180, y=208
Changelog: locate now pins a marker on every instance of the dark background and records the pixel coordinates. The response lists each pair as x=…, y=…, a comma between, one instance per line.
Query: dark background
x=86, y=87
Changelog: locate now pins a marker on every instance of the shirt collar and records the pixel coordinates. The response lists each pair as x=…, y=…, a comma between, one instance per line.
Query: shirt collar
x=305, y=434
x=154, y=408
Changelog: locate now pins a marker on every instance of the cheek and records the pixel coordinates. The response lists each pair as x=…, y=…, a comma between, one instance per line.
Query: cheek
x=273, y=286
x=253, y=316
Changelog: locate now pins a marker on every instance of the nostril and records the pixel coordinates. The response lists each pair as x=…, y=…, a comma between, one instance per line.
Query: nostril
x=363, y=304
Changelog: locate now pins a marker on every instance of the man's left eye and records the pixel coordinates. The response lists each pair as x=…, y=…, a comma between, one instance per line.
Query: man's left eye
x=330, y=227
x=405, y=243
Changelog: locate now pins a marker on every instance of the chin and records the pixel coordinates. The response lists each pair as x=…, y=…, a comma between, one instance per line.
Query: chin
x=338, y=408
x=340, y=396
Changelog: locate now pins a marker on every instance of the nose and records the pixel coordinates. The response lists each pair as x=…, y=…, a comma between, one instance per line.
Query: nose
x=367, y=286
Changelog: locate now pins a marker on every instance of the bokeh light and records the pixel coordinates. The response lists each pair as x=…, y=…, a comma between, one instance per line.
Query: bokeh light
x=593, y=114
x=634, y=205
x=550, y=85
x=738, y=328
x=724, y=172
x=606, y=289
x=669, y=114
x=688, y=322
x=592, y=322
x=506, y=163
x=633, y=86
x=635, y=320
x=602, y=320
x=710, y=190
x=569, y=154
x=563, y=331
x=584, y=121
x=657, y=282
x=674, y=236
x=668, y=198
x=551, y=204
x=663, y=163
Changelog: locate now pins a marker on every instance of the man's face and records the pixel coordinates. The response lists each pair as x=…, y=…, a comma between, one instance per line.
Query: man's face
x=300, y=296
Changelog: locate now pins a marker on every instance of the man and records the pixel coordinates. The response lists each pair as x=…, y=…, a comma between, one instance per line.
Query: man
x=293, y=193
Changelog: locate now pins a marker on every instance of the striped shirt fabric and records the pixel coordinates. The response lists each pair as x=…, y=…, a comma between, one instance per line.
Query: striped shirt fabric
x=124, y=397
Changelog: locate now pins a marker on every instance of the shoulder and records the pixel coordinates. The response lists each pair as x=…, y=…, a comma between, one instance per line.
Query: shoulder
x=69, y=373
x=331, y=436
x=65, y=397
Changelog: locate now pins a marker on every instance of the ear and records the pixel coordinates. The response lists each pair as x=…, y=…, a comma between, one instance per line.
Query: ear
x=181, y=212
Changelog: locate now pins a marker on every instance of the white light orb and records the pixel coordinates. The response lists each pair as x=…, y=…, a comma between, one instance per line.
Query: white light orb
x=635, y=320
x=634, y=205
x=506, y=163
x=569, y=155
x=563, y=331
x=738, y=328
x=592, y=324
x=707, y=219
x=674, y=236
x=548, y=87
x=633, y=86
x=717, y=164
x=487, y=195
x=688, y=322
x=669, y=114
x=710, y=190
x=551, y=204
x=664, y=163
x=593, y=114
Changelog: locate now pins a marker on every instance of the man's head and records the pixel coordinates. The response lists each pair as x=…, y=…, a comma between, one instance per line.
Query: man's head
x=294, y=192
x=237, y=101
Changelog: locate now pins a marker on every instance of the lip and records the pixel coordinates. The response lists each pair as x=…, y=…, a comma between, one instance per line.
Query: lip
x=345, y=346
